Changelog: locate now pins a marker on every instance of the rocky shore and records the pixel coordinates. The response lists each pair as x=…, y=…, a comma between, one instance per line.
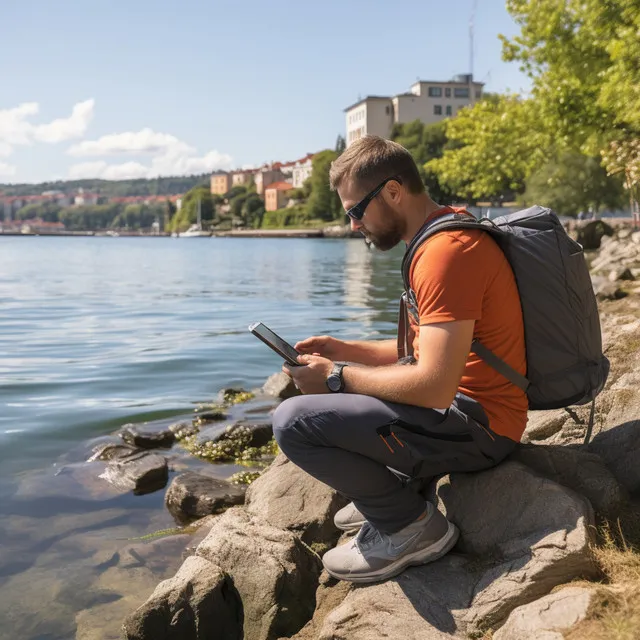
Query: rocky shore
x=547, y=538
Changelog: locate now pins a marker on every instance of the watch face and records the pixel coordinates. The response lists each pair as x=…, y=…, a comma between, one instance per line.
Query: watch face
x=334, y=383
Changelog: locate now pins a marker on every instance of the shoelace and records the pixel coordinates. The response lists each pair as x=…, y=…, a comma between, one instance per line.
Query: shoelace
x=367, y=539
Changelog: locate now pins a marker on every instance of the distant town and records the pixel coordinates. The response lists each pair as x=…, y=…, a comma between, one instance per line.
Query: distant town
x=275, y=182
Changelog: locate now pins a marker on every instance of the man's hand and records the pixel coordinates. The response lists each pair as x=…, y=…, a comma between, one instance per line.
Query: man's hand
x=325, y=346
x=312, y=377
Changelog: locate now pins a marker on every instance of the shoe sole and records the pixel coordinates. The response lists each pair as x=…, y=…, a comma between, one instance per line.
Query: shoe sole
x=424, y=556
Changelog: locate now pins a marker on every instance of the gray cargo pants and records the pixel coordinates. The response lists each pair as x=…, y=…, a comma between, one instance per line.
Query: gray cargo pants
x=355, y=443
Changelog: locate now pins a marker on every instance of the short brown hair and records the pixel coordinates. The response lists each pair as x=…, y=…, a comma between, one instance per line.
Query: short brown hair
x=370, y=160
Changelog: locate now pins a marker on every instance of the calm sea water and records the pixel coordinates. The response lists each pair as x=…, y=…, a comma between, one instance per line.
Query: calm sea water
x=98, y=332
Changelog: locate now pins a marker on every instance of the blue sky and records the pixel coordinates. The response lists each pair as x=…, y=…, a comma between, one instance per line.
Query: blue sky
x=135, y=88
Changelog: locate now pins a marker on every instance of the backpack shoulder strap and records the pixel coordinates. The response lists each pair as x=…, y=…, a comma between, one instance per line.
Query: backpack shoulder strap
x=446, y=222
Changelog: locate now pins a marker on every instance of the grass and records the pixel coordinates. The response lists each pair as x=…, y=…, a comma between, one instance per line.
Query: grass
x=614, y=613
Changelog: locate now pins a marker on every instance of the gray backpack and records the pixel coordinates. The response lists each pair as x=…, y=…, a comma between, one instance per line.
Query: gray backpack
x=565, y=363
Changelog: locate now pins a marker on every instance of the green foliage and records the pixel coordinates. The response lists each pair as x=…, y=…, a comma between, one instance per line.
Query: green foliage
x=573, y=183
x=188, y=213
x=425, y=143
x=113, y=188
x=323, y=204
x=136, y=217
x=583, y=58
x=497, y=143
x=341, y=145
x=295, y=216
x=89, y=217
x=47, y=211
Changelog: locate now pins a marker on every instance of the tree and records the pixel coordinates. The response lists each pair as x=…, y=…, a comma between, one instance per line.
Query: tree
x=341, y=144
x=573, y=183
x=582, y=56
x=323, y=204
x=188, y=214
x=47, y=211
x=425, y=143
x=253, y=211
x=497, y=143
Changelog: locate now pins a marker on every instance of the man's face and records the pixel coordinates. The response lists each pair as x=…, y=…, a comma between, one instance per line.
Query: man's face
x=381, y=224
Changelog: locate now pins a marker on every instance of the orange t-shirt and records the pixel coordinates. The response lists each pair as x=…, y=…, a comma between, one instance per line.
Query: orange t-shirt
x=464, y=275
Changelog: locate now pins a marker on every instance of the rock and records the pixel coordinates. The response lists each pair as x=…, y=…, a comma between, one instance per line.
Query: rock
x=545, y=619
x=198, y=603
x=211, y=415
x=112, y=451
x=259, y=434
x=183, y=429
x=619, y=448
x=287, y=497
x=621, y=274
x=635, y=237
x=140, y=472
x=191, y=496
x=138, y=436
x=590, y=234
x=521, y=535
x=419, y=604
x=606, y=290
x=280, y=385
x=544, y=424
x=529, y=534
x=274, y=573
x=577, y=469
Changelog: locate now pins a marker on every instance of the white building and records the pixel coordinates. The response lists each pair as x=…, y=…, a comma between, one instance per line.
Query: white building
x=302, y=170
x=428, y=101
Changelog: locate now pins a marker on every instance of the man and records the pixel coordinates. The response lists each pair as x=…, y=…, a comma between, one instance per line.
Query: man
x=365, y=429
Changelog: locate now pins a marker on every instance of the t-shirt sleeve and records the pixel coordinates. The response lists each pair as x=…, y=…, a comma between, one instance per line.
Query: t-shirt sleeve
x=449, y=278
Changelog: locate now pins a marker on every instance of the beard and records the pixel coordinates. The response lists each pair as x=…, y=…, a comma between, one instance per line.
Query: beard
x=389, y=232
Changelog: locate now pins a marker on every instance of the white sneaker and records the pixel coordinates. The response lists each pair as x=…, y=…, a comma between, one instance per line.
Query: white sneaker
x=373, y=556
x=349, y=518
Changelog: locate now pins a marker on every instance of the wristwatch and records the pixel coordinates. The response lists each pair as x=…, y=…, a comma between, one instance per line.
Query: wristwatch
x=335, y=381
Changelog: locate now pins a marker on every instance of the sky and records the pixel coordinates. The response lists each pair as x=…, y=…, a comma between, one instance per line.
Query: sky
x=122, y=89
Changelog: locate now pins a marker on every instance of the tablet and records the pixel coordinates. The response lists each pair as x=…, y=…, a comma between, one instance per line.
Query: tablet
x=274, y=341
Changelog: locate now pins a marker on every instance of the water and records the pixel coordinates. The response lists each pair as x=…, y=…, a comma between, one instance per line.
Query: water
x=98, y=332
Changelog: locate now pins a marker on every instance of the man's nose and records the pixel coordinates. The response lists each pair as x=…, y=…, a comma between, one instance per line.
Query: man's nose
x=355, y=224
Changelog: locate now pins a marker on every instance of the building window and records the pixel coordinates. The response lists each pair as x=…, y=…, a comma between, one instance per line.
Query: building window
x=447, y=92
x=437, y=109
x=461, y=92
x=386, y=109
x=448, y=109
x=435, y=92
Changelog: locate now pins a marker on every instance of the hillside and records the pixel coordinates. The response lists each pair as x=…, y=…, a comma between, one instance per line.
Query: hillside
x=111, y=188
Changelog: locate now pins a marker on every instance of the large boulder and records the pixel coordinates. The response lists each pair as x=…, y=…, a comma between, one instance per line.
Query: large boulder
x=521, y=535
x=619, y=448
x=139, y=472
x=547, y=618
x=274, y=572
x=289, y=498
x=198, y=603
x=578, y=469
x=191, y=496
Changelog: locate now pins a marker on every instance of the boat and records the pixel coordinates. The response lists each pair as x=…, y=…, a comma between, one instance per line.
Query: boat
x=196, y=230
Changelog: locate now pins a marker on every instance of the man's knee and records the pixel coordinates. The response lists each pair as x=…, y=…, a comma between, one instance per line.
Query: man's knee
x=285, y=418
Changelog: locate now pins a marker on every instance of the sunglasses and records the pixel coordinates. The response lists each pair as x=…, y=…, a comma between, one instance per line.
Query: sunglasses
x=358, y=210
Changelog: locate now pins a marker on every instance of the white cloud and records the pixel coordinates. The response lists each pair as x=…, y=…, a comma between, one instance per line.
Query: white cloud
x=7, y=169
x=63, y=129
x=15, y=128
x=173, y=157
x=145, y=141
